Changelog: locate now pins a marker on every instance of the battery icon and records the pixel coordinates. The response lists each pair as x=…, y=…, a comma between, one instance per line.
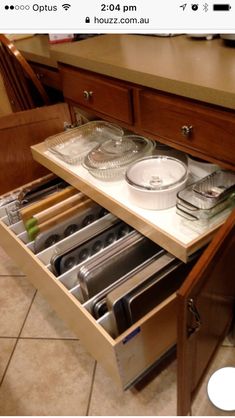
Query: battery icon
x=221, y=7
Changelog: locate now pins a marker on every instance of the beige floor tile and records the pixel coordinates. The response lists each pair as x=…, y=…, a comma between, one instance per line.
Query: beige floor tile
x=6, y=348
x=43, y=322
x=16, y=294
x=7, y=265
x=47, y=377
x=202, y=405
x=155, y=396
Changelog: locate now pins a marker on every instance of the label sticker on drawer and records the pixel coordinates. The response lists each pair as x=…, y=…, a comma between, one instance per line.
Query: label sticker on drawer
x=131, y=335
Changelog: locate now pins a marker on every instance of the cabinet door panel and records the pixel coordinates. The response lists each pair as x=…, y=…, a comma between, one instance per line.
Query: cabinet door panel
x=48, y=76
x=205, y=308
x=20, y=130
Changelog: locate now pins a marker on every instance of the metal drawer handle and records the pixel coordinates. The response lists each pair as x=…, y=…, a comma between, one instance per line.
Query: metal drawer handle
x=87, y=94
x=196, y=316
x=39, y=75
x=186, y=130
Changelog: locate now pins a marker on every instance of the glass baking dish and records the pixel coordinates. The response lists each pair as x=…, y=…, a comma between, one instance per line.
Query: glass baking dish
x=215, y=187
x=73, y=145
x=197, y=202
x=110, y=160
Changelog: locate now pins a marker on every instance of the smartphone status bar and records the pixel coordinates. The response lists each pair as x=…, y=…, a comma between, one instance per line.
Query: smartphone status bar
x=137, y=16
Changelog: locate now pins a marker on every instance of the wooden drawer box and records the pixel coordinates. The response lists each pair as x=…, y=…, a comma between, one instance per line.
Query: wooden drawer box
x=125, y=357
x=96, y=93
x=194, y=126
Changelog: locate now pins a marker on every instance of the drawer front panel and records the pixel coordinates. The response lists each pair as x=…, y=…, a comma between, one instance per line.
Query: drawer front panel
x=96, y=335
x=97, y=94
x=48, y=76
x=193, y=126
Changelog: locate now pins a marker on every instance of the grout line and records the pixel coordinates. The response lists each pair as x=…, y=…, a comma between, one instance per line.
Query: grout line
x=7, y=338
x=48, y=338
x=8, y=363
x=27, y=314
x=12, y=275
x=91, y=389
x=17, y=339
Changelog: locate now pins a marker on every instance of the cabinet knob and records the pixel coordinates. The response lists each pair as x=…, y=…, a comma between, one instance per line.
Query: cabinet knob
x=186, y=130
x=87, y=94
x=39, y=75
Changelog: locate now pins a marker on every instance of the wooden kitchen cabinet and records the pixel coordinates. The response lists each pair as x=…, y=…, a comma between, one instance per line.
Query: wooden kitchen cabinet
x=98, y=94
x=175, y=320
x=49, y=76
x=194, y=127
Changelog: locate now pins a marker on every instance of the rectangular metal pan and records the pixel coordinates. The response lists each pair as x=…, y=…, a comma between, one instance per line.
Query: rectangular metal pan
x=115, y=298
x=115, y=262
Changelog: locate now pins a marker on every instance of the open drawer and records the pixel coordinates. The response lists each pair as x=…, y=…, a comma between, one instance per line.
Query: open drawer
x=125, y=356
x=129, y=355
x=167, y=229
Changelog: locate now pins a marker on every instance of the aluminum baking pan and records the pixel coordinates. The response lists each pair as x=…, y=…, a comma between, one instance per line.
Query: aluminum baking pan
x=102, y=271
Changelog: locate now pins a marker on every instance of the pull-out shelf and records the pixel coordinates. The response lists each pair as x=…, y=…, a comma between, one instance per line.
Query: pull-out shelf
x=164, y=227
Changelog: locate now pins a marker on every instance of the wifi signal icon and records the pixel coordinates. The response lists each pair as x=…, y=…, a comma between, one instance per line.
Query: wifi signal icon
x=66, y=6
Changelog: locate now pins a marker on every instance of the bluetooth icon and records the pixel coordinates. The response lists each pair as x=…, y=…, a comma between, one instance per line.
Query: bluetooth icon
x=205, y=7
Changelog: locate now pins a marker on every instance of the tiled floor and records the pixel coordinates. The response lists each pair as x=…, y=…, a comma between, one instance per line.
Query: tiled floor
x=44, y=370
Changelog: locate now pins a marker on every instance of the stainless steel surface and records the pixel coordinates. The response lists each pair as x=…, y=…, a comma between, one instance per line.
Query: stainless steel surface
x=84, y=217
x=124, y=256
x=115, y=298
x=72, y=250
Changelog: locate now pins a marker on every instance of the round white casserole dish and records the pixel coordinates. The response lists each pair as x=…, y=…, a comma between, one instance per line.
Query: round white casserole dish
x=154, y=181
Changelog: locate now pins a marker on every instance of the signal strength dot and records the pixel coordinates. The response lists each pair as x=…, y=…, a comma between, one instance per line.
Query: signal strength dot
x=66, y=6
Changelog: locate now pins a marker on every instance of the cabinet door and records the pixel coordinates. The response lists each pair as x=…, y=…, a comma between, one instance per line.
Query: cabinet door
x=20, y=130
x=206, y=303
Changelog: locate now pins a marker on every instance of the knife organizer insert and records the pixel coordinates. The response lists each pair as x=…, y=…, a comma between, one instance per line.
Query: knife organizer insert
x=126, y=355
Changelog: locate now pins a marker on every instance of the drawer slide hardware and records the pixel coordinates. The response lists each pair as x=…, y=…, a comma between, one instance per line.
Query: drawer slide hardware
x=196, y=316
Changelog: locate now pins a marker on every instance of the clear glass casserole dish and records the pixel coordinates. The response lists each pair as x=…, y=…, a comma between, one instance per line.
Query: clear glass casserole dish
x=110, y=159
x=74, y=144
x=207, y=197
